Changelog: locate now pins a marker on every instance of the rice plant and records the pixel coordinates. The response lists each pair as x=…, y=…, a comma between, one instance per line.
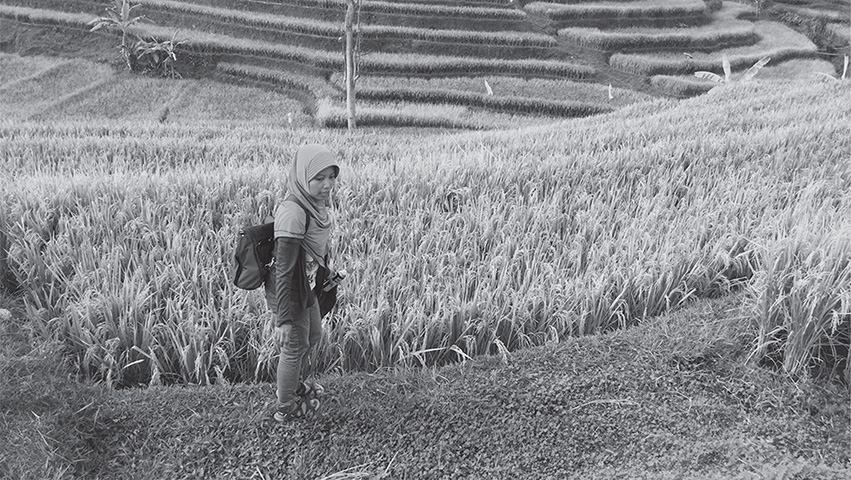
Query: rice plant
x=802, y=303
x=457, y=245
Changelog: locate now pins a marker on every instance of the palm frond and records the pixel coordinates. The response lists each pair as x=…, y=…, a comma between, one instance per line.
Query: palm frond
x=755, y=68
x=725, y=62
x=827, y=75
x=125, y=10
x=709, y=76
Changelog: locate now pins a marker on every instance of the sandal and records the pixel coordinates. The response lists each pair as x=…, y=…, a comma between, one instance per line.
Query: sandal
x=310, y=390
x=298, y=408
x=307, y=390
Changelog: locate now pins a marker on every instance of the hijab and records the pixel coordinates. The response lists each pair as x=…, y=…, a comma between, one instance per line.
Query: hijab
x=309, y=161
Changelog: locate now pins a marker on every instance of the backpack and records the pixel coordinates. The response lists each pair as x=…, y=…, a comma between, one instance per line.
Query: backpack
x=254, y=255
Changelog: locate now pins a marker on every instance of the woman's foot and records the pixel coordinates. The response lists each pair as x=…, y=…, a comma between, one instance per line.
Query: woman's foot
x=310, y=390
x=307, y=390
x=297, y=408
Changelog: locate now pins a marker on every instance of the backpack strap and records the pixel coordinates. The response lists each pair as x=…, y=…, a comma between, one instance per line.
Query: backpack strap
x=292, y=198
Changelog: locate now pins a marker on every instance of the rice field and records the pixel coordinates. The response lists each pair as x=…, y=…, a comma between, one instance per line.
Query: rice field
x=682, y=86
x=12, y=69
x=609, y=40
x=481, y=11
x=443, y=116
x=539, y=89
x=816, y=13
x=775, y=41
x=54, y=81
x=92, y=91
x=333, y=29
x=841, y=32
x=458, y=245
x=614, y=10
x=724, y=30
x=410, y=63
x=418, y=8
x=50, y=88
x=789, y=71
x=431, y=58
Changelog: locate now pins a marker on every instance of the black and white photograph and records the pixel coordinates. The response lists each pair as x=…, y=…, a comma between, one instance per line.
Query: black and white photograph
x=425, y=239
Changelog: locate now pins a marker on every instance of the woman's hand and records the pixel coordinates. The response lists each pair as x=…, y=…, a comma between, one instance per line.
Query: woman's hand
x=282, y=334
x=338, y=276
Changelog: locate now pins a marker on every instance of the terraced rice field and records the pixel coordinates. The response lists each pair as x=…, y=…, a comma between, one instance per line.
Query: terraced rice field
x=49, y=88
x=458, y=245
x=436, y=49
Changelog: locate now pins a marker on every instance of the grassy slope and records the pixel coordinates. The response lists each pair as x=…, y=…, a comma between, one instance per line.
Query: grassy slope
x=49, y=88
x=673, y=398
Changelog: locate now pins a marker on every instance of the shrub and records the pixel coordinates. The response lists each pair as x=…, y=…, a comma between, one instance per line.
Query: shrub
x=713, y=5
x=158, y=57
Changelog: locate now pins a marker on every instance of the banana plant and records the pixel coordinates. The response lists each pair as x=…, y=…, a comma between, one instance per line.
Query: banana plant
x=119, y=17
x=728, y=78
x=157, y=56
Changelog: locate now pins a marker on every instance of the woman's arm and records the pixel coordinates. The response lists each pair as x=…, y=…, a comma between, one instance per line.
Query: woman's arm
x=286, y=259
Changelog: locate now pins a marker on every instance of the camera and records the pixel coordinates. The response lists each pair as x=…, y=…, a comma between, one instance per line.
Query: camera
x=334, y=280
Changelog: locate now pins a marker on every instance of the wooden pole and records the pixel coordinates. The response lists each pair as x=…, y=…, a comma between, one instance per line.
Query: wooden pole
x=350, y=65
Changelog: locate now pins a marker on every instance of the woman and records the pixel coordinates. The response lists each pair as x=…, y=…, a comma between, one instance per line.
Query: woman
x=302, y=232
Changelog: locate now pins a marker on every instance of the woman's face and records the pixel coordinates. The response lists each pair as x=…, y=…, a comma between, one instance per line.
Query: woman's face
x=322, y=184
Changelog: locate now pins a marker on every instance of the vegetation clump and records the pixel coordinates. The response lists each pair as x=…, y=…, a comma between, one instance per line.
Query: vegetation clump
x=145, y=55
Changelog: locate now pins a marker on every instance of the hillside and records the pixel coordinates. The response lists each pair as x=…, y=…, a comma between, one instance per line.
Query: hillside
x=675, y=398
x=652, y=293
x=436, y=63
x=459, y=245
